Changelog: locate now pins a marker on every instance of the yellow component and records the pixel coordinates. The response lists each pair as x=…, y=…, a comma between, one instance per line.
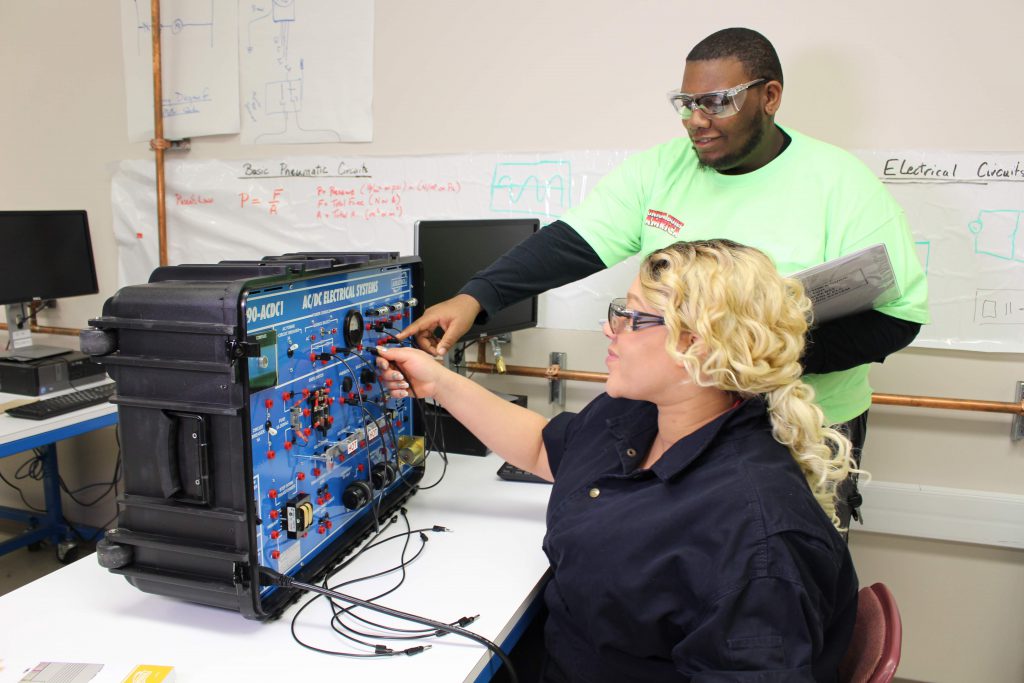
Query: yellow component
x=306, y=516
x=411, y=450
x=150, y=673
x=499, y=364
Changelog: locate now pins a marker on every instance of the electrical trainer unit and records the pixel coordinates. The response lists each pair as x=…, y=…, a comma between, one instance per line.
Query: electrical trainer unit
x=253, y=428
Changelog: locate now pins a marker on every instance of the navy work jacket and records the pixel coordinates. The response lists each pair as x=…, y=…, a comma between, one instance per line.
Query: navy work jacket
x=716, y=564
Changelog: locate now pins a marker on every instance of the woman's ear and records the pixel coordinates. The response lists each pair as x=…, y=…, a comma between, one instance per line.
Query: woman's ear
x=686, y=340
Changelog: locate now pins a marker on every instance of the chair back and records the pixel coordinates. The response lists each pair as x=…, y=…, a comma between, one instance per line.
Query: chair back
x=874, y=651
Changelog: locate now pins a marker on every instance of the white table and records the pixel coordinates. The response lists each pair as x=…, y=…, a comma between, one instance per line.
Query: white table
x=20, y=435
x=491, y=564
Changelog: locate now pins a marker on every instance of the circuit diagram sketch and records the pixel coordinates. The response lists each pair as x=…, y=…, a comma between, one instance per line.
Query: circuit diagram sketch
x=998, y=233
x=306, y=71
x=199, y=67
x=191, y=15
x=999, y=307
x=538, y=188
x=924, y=253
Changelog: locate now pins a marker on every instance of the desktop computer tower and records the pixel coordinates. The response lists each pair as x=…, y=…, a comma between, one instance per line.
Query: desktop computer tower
x=40, y=376
x=444, y=432
x=254, y=431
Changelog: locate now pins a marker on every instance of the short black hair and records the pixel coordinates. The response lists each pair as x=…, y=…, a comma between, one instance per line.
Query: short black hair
x=754, y=51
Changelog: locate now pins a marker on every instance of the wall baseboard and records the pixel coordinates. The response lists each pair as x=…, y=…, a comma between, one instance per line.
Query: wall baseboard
x=946, y=514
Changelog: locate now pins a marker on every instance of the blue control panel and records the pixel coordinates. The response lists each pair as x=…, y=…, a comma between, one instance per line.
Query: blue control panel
x=328, y=445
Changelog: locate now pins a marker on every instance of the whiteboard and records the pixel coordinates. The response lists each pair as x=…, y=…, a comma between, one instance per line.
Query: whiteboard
x=247, y=209
x=968, y=227
x=965, y=210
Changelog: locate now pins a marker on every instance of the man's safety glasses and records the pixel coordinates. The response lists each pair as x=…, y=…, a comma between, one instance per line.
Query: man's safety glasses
x=618, y=314
x=719, y=104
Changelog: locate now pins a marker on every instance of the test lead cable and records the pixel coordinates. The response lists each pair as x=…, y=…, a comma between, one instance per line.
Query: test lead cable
x=275, y=578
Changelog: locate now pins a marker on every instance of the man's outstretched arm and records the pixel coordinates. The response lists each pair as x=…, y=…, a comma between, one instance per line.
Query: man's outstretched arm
x=552, y=257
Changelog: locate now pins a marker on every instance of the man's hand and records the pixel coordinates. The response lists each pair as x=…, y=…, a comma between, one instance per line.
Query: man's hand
x=455, y=316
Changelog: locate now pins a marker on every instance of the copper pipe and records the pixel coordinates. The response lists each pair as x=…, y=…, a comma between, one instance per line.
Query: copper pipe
x=948, y=403
x=158, y=144
x=69, y=331
x=554, y=372
x=546, y=373
x=33, y=308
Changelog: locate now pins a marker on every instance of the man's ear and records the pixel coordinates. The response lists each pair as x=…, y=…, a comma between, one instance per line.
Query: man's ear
x=772, y=97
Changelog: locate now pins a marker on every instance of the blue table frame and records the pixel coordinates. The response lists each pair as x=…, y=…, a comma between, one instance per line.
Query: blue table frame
x=49, y=525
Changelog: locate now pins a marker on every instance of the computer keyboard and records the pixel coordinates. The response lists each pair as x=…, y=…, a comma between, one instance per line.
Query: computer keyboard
x=513, y=473
x=65, y=403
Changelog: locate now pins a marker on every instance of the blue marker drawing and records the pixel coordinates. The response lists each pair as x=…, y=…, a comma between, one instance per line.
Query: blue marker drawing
x=181, y=104
x=143, y=23
x=282, y=99
x=177, y=103
x=924, y=253
x=997, y=233
x=542, y=187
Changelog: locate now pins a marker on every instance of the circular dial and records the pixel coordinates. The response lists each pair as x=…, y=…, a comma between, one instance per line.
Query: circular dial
x=352, y=330
x=356, y=495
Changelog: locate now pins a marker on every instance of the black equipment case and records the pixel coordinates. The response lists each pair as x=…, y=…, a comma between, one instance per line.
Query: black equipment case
x=253, y=429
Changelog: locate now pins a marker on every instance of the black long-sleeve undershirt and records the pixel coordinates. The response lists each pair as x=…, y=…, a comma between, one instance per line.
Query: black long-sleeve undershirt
x=557, y=255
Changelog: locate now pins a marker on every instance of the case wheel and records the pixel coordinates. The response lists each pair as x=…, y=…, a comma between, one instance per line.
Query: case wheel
x=113, y=555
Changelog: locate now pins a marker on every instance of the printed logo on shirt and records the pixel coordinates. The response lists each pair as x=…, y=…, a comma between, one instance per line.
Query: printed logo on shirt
x=663, y=221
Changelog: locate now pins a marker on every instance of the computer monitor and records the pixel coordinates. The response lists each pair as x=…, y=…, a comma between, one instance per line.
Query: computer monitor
x=452, y=251
x=43, y=255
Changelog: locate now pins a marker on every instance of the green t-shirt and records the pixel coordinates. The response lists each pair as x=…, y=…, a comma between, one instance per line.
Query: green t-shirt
x=813, y=203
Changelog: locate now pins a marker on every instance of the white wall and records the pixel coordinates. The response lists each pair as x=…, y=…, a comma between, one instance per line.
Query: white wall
x=462, y=76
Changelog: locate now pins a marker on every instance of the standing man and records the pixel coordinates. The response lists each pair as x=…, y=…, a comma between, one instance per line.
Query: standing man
x=738, y=175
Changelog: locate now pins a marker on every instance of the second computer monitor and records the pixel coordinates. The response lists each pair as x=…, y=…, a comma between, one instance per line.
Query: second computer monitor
x=452, y=251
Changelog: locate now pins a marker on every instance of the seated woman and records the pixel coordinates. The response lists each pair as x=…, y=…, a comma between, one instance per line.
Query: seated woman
x=691, y=526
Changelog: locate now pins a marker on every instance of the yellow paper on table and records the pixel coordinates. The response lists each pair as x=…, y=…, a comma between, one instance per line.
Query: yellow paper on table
x=150, y=673
x=4, y=407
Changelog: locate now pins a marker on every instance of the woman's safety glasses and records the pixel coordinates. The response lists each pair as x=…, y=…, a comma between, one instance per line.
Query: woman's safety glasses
x=719, y=104
x=618, y=314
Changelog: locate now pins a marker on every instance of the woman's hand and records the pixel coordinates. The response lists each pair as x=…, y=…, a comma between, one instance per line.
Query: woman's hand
x=402, y=370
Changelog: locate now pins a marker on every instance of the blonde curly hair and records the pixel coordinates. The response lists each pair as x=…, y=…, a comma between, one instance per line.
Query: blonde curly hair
x=750, y=324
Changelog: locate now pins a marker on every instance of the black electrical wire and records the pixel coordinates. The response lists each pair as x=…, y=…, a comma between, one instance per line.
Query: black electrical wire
x=32, y=468
x=391, y=631
x=406, y=535
x=432, y=432
x=345, y=630
x=111, y=485
x=459, y=352
x=32, y=315
x=433, y=442
x=284, y=581
x=369, y=544
x=374, y=502
x=21, y=494
x=302, y=608
x=378, y=650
